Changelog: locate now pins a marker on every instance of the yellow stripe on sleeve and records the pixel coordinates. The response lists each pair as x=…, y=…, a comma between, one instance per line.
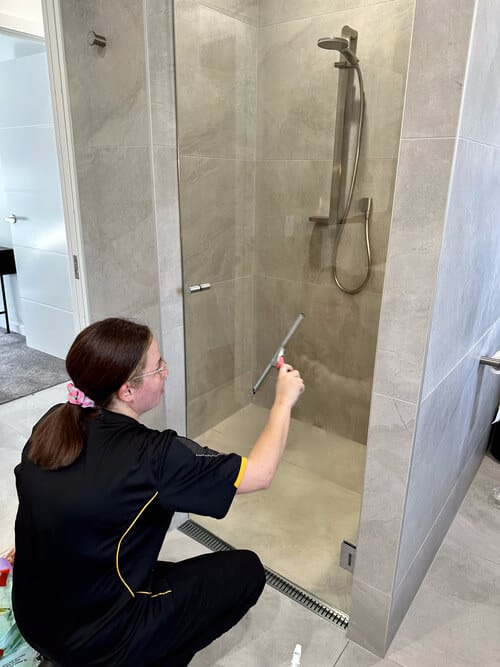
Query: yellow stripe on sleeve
x=242, y=471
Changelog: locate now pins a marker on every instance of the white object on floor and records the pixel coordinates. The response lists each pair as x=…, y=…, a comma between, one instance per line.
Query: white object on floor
x=297, y=652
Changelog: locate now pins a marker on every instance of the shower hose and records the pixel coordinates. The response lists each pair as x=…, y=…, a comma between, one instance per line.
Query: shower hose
x=343, y=220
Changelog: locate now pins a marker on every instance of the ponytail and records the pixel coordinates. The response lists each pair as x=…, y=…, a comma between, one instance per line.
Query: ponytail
x=58, y=439
x=102, y=357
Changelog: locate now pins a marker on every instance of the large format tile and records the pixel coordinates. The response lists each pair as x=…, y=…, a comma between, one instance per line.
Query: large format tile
x=467, y=299
x=267, y=635
x=355, y=656
x=451, y=426
x=217, y=199
x=412, y=262
x=439, y=630
x=160, y=55
x=297, y=527
x=244, y=10
x=405, y=589
x=289, y=246
x=293, y=71
x=216, y=82
x=334, y=349
x=479, y=120
x=278, y=11
x=326, y=454
x=476, y=528
x=107, y=86
x=390, y=438
x=218, y=335
x=119, y=231
x=175, y=387
x=23, y=413
x=437, y=67
x=368, y=620
x=208, y=409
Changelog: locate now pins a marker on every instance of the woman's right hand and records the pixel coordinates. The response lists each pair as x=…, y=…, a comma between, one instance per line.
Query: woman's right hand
x=289, y=385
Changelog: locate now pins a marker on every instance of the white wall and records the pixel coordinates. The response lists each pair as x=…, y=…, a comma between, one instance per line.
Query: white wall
x=22, y=15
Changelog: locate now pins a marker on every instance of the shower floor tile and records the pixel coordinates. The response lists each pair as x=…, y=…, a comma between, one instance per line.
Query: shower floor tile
x=297, y=525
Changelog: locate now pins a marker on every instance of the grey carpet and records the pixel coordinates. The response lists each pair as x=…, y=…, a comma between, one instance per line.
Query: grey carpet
x=23, y=370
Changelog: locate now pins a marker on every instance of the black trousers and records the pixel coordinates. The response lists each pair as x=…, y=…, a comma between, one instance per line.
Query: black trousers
x=211, y=593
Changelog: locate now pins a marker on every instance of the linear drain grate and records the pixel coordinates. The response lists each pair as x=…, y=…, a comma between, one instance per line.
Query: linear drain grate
x=211, y=541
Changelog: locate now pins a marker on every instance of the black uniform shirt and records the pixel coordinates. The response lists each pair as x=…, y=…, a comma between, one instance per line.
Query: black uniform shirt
x=88, y=535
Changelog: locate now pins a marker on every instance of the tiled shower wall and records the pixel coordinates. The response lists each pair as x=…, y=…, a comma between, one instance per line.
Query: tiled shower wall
x=297, y=88
x=432, y=403
x=216, y=48
x=256, y=103
x=124, y=139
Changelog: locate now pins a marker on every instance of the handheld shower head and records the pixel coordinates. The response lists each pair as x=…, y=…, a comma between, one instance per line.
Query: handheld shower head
x=341, y=45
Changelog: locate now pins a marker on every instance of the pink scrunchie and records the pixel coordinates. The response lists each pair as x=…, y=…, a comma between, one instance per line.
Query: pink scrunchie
x=77, y=397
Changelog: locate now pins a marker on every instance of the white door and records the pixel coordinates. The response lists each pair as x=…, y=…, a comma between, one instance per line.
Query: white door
x=32, y=194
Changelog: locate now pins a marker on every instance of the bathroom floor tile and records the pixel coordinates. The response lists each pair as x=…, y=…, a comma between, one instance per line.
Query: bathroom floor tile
x=298, y=524
x=267, y=635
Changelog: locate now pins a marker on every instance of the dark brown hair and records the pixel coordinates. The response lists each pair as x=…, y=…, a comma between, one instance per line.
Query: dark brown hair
x=102, y=357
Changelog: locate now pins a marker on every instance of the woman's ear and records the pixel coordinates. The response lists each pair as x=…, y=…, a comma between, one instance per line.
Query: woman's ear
x=125, y=393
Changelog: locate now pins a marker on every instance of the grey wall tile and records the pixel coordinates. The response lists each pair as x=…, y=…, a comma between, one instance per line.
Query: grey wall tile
x=405, y=591
x=450, y=428
x=479, y=120
x=467, y=300
x=217, y=210
x=335, y=351
x=355, y=656
x=119, y=234
x=244, y=10
x=289, y=124
x=442, y=629
x=412, y=262
x=390, y=439
x=219, y=329
x=107, y=86
x=369, y=614
x=278, y=11
x=289, y=246
x=437, y=68
x=175, y=387
x=216, y=82
x=160, y=54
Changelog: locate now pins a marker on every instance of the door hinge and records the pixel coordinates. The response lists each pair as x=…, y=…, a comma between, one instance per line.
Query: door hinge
x=347, y=555
x=75, y=267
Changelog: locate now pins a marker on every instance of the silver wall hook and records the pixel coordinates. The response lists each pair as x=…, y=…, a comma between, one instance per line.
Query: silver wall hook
x=94, y=39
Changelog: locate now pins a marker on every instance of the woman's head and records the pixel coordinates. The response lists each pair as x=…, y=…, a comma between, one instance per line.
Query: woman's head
x=117, y=364
x=106, y=355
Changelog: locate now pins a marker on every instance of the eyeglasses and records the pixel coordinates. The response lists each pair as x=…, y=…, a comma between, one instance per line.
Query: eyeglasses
x=162, y=368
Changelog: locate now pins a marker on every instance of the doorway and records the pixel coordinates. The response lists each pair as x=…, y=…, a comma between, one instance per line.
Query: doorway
x=38, y=292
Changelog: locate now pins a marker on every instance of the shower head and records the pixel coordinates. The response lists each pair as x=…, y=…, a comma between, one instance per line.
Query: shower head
x=333, y=43
x=339, y=44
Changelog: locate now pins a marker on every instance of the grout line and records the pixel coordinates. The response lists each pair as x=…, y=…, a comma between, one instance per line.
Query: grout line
x=314, y=16
x=461, y=360
x=341, y=653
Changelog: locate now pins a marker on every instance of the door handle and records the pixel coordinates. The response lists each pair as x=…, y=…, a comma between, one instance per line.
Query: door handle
x=490, y=361
x=198, y=288
x=11, y=218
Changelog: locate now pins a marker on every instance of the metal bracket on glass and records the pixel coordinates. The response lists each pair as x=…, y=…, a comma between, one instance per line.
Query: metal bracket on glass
x=490, y=361
x=11, y=218
x=198, y=288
